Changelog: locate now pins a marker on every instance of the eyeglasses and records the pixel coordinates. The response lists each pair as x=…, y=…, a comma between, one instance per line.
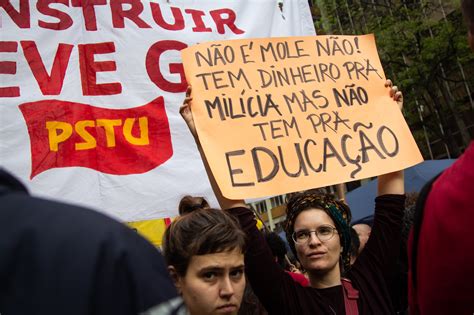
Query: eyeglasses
x=324, y=233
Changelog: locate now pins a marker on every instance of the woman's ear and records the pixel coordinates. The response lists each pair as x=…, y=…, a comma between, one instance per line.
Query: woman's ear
x=175, y=277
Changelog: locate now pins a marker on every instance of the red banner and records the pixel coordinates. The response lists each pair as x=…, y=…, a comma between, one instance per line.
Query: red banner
x=112, y=141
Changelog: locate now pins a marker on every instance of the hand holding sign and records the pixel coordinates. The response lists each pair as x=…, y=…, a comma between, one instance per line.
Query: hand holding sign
x=186, y=113
x=395, y=93
x=287, y=114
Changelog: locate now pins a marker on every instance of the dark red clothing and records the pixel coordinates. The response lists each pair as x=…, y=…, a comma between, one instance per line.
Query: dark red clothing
x=445, y=253
x=279, y=293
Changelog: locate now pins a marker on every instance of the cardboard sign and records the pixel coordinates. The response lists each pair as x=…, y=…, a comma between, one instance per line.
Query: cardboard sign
x=287, y=114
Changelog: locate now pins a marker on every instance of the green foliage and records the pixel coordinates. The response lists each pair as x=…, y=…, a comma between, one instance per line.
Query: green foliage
x=421, y=51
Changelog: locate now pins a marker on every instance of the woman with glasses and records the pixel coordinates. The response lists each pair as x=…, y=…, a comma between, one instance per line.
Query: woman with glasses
x=318, y=231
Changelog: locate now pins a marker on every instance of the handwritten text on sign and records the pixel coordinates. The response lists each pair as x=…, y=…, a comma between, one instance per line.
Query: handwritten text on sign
x=287, y=114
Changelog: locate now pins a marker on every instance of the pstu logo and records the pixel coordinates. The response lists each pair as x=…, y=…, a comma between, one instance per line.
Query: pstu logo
x=112, y=141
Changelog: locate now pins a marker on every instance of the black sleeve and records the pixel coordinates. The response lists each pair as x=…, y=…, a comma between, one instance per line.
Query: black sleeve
x=380, y=254
x=265, y=275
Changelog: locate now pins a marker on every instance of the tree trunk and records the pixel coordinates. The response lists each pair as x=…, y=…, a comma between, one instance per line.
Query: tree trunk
x=466, y=139
x=448, y=137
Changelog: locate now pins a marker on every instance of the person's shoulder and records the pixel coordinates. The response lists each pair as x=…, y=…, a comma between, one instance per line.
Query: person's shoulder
x=50, y=212
x=61, y=222
x=17, y=202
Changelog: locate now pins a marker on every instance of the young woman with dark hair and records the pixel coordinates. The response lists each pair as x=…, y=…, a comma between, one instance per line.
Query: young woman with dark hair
x=204, y=251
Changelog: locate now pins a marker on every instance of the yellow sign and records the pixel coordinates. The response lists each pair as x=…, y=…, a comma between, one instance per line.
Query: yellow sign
x=152, y=230
x=286, y=114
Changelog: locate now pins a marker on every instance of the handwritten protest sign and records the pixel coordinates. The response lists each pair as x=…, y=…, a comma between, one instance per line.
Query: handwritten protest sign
x=287, y=114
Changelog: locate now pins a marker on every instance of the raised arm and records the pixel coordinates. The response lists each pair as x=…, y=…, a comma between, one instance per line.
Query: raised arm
x=381, y=252
x=186, y=113
x=392, y=183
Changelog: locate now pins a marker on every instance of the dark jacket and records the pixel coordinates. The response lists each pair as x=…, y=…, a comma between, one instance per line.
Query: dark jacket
x=57, y=258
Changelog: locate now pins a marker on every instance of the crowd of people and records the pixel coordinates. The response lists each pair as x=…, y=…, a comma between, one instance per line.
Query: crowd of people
x=62, y=259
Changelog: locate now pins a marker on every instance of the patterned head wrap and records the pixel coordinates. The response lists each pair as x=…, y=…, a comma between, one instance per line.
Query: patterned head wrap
x=337, y=210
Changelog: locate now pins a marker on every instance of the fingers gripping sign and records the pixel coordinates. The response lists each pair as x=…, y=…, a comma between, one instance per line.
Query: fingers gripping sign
x=395, y=94
x=186, y=113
